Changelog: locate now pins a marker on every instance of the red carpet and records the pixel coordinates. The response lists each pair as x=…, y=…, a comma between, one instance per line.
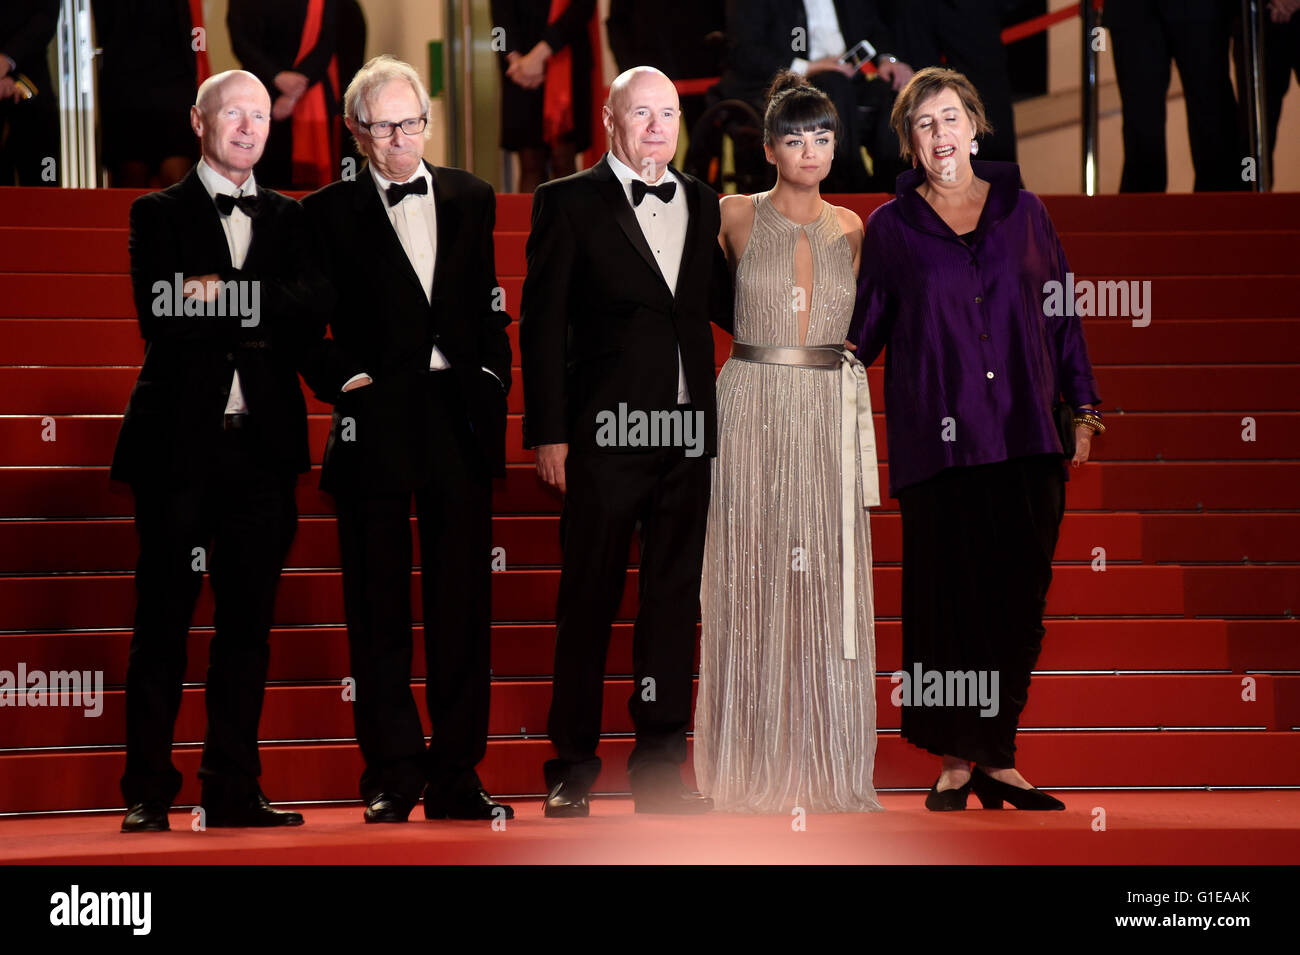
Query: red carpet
x=1176, y=666
x=1141, y=828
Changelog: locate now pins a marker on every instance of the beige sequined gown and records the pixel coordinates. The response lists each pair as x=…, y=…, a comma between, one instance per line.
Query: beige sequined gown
x=783, y=720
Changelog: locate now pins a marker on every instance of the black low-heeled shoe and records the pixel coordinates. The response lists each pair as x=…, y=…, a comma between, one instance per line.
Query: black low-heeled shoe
x=949, y=799
x=992, y=792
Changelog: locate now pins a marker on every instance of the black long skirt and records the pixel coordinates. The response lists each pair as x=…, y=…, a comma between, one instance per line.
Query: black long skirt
x=977, y=562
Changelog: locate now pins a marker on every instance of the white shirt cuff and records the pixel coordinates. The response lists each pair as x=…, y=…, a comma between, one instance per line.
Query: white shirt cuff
x=800, y=66
x=352, y=379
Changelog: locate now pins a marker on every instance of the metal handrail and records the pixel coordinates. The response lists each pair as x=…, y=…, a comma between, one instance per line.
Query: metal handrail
x=1089, y=116
x=1252, y=31
x=75, y=51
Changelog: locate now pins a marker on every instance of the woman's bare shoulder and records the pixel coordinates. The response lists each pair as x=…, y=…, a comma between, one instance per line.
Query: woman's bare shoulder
x=736, y=209
x=850, y=221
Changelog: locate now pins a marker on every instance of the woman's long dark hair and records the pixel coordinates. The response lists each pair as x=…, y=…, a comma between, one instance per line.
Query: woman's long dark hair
x=796, y=106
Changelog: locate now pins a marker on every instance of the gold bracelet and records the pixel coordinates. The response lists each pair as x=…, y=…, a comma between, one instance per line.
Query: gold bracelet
x=1089, y=422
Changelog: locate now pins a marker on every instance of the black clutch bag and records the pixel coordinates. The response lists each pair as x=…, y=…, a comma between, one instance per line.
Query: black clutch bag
x=1064, y=415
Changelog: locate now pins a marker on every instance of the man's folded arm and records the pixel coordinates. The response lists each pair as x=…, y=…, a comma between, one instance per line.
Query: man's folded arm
x=159, y=302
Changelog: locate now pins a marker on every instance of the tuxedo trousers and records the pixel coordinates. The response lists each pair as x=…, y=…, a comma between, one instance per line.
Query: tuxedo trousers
x=1144, y=43
x=969, y=41
x=664, y=496
x=236, y=522
x=454, y=520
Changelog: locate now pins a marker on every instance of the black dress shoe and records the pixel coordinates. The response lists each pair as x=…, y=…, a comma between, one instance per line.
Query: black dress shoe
x=473, y=804
x=948, y=800
x=254, y=811
x=146, y=817
x=389, y=807
x=672, y=800
x=566, y=801
x=992, y=792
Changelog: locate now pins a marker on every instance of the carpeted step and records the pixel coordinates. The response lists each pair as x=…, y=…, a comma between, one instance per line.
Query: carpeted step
x=60, y=389
x=519, y=709
x=83, y=341
x=88, y=779
x=1172, y=298
x=84, y=440
x=307, y=597
x=1094, y=645
x=63, y=249
x=525, y=541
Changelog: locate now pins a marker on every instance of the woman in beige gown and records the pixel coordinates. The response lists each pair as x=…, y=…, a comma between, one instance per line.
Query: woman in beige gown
x=786, y=713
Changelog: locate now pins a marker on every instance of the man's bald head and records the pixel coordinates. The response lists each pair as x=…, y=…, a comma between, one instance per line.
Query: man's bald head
x=642, y=116
x=231, y=116
x=641, y=77
x=230, y=82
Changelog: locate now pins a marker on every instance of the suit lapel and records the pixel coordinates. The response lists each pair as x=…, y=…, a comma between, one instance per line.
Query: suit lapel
x=448, y=224
x=377, y=231
x=691, y=239
x=206, y=218
x=262, y=234
x=615, y=196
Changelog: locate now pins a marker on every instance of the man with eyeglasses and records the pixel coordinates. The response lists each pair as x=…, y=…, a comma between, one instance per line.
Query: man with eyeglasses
x=418, y=370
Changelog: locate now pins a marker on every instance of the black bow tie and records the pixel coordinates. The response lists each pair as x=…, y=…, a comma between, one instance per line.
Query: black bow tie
x=663, y=192
x=249, y=205
x=399, y=191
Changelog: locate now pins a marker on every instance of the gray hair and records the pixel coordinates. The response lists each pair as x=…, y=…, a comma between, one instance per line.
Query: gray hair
x=374, y=76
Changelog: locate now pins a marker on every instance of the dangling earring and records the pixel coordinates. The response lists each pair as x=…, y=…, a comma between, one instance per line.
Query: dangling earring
x=974, y=147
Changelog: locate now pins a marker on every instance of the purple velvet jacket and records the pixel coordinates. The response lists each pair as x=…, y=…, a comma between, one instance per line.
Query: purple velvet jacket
x=973, y=364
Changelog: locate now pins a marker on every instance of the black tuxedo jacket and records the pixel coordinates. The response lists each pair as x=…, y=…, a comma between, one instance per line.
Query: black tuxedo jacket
x=1139, y=12
x=173, y=421
x=759, y=38
x=266, y=36
x=599, y=325
x=383, y=325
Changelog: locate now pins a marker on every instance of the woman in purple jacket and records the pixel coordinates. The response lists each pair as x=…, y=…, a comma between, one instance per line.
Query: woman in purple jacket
x=954, y=279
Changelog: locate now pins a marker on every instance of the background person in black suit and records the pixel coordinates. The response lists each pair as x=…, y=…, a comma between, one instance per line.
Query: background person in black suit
x=147, y=77
x=212, y=442
x=682, y=38
x=29, y=125
x=351, y=48
x=760, y=37
x=1281, y=59
x=531, y=39
x=966, y=36
x=625, y=275
x=267, y=37
x=1146, y=35
x=418, y=371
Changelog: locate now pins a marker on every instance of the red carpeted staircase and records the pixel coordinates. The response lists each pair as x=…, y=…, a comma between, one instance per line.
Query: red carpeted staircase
x=1176, y=666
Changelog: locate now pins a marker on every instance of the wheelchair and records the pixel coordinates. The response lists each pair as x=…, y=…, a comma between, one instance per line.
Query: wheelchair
x=735, y=125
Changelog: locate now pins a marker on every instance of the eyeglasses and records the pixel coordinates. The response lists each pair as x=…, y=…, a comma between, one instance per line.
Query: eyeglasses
x=385, y=130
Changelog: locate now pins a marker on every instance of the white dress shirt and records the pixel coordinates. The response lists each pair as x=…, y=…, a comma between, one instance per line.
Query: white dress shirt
x=664, y=226
x=824, y=35
x=415, y=220
x=239, y=235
